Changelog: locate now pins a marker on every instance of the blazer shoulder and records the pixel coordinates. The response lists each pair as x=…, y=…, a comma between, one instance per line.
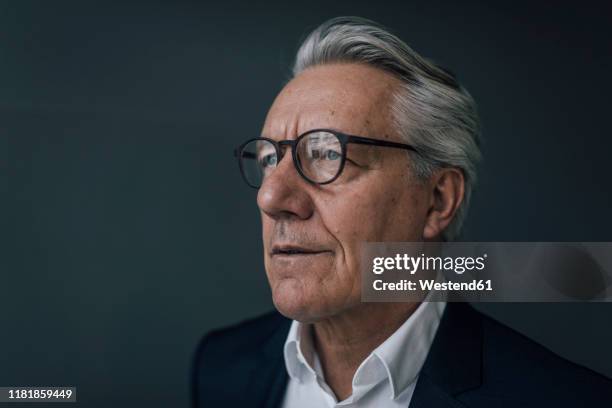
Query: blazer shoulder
x=511, y=357
x=239, y=340
x=227, y=360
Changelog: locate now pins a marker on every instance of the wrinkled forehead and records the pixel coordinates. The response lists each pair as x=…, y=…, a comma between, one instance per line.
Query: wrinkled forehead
x=351, y=98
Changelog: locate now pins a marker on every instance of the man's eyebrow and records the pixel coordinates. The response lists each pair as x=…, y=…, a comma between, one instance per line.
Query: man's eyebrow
x=332, y=128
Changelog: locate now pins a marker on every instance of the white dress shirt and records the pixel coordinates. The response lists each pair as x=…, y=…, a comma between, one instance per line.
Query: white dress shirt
x=386, y=378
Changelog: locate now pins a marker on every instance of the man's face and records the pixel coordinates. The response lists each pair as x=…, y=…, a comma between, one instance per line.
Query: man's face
x=312, y=234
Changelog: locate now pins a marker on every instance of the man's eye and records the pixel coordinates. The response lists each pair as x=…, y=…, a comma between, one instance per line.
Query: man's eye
x=331, y=155
x=268, y=160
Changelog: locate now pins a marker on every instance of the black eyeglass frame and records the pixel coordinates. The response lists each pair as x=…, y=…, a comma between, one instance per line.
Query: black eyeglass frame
x=343, y=138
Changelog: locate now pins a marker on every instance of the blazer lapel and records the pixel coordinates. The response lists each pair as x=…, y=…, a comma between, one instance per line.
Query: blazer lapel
x=427, y=395
x=269, y=380
x=454, y=361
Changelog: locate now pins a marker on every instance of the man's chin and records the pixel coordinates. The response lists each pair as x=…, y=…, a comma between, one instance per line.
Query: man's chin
x=291, y=301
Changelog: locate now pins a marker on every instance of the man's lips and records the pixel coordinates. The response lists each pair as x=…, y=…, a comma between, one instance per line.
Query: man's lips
x=295, y=250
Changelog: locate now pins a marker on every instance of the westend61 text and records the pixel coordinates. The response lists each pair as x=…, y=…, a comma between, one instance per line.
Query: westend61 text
x=431, y=284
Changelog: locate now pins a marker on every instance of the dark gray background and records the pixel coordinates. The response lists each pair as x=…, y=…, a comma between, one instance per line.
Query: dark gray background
x=126, y=232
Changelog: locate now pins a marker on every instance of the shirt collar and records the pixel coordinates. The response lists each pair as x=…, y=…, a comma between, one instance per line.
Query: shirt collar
x=298, y=351
x=404, y=353
x=399, y=358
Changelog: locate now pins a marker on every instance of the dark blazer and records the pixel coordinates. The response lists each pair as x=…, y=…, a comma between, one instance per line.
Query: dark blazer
x=474, y=361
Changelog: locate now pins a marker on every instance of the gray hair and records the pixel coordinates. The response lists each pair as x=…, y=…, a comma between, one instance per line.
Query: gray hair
x=432, y=110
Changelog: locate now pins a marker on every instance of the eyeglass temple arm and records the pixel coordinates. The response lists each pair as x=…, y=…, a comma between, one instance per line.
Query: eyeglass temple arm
x=377, y=142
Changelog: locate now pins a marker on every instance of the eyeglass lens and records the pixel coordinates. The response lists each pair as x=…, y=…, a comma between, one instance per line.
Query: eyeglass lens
x=318, y=154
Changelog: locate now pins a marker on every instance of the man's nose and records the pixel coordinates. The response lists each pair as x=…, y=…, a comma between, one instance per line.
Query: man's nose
x=284, y=192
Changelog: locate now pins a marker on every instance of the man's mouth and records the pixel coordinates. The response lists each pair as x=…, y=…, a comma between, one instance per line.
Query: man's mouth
x=291, y=250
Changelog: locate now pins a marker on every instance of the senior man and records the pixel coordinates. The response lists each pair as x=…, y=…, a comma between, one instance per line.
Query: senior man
x=369, y=142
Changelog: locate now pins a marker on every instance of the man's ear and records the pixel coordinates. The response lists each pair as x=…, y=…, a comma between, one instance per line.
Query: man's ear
x=447, y=190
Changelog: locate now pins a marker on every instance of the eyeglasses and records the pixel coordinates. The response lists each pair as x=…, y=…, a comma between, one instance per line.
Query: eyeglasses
x=318, y=155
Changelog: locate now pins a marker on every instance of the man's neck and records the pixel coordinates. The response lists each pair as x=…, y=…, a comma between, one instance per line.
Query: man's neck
x=344, y=341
